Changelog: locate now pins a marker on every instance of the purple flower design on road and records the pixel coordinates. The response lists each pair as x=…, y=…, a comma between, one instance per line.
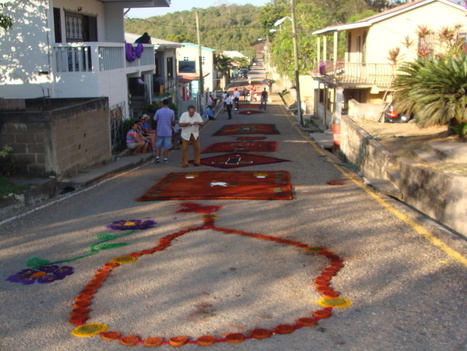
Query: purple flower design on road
x=131, y=224
x=41, y=275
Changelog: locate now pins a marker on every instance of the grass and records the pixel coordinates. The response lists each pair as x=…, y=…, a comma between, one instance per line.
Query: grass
x=8, y=187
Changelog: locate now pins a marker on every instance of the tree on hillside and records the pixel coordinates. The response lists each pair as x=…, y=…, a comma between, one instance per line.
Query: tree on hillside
x=226, y=27
x=5, y=21
x=435, y=91
x=223, y=64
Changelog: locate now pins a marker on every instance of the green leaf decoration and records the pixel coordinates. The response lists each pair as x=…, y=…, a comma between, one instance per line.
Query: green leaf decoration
x=104, y=236
x=110, y=246
x=36, y=261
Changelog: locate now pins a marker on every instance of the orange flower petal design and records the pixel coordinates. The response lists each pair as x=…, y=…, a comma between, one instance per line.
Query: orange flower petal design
x=130, y=340
x=235, y=338
x=306, y=321
x=322, y=314
x=153, y=342
x=110, y=335
x=284, y=329
x=261, y=333
x=206, y=340
x=178, y=341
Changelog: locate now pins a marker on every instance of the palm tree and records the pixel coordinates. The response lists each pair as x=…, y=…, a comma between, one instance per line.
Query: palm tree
x=435, y=92
x=223, y=64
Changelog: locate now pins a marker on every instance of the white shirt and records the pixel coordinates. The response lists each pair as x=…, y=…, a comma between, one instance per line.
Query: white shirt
x=224, y=95
x=228, y=100
x=187, y=131
x=236, y=94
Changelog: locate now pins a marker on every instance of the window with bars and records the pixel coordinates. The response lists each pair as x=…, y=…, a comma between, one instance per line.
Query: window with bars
x=79, y=28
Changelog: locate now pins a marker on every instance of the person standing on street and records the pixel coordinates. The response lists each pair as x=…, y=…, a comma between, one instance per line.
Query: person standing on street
x=224, y=96
x=228, y=105
x=236, y=98
x=190, y=122
x=264, y=100
x=165, y=119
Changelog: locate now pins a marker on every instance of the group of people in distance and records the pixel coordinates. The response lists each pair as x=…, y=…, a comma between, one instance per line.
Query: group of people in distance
x=140, y=137
x=168, y=133
x=232, y=100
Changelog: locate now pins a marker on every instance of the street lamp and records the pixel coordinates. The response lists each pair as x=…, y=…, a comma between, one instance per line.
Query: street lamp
x=295, y=48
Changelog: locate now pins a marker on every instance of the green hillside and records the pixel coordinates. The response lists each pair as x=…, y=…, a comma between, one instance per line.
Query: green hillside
x=226, y=27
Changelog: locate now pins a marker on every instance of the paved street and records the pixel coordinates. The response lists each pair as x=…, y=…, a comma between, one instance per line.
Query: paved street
x=401, y=273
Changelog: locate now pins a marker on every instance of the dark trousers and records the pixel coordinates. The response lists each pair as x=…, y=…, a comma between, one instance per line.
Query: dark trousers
x=229, y=110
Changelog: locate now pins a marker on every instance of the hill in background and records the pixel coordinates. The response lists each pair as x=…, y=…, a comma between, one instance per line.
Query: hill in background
x=225, y=27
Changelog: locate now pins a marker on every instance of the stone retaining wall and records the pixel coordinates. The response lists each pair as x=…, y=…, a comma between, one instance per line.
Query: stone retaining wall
x=439, y=195
x=57, y=136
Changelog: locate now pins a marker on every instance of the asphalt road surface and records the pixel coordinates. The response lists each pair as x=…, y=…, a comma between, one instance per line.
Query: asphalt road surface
x=401, y=284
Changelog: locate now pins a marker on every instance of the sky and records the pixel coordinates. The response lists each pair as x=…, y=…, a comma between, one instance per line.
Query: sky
x=182, y=5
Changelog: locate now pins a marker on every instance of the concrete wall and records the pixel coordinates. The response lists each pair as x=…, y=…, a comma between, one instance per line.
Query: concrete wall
x=63, y=138
x=368, y=111
x=441, y=196
x=367, y=155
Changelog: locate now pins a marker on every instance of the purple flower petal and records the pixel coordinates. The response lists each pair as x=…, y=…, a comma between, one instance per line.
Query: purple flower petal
x=135, y=224
x=48, y=269
x=64, y=271
x=49, y=278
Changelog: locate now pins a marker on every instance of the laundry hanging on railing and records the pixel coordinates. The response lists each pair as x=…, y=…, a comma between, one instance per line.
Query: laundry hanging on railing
x=132, y=53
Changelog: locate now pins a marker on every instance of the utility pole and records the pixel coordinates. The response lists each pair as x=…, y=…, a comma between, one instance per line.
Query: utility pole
x=200, y=59
x=297, y=73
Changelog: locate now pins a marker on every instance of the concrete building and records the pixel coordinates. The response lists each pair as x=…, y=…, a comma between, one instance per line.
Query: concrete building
x=165, y=60
x=359, y=83
x=189, y=71
x=74, y=49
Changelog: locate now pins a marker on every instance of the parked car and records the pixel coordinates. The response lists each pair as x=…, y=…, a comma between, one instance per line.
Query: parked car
x=392, y=116
x=242, y=72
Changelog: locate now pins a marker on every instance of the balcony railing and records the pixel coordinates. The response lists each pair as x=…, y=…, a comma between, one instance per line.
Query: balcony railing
x=341, y=72
x=91, y=57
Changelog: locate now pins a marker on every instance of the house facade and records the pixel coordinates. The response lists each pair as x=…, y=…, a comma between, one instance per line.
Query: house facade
x=165, y=60
x=358, y=83
x=74, y=49
x=189, y=69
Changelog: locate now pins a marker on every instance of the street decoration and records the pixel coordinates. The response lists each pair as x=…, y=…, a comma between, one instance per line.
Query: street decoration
x=43, y=271
x=241, y=146
x=222, y=185
x=41, y=275
x=80, y=315
x=235, y=160
x=239, y=129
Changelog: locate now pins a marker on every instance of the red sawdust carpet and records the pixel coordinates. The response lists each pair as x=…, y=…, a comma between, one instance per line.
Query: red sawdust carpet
x=236, y=160
x=250, y=112
x=251, y=138
x=243, y=146
x=234, y=129
x=249, y=106
x=222, y=185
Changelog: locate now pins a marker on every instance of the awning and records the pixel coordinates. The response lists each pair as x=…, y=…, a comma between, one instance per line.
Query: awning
x=187, y=78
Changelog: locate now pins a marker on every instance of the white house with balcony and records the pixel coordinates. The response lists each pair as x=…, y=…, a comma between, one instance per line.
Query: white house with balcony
x=71, y=49
x=188, y=66
x=165, y=59
x=359, y=82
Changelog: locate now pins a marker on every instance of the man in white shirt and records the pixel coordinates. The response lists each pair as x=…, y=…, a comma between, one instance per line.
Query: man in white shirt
x=228, y=105
x=224, y=95
x=236, y=98
x=190, y=122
